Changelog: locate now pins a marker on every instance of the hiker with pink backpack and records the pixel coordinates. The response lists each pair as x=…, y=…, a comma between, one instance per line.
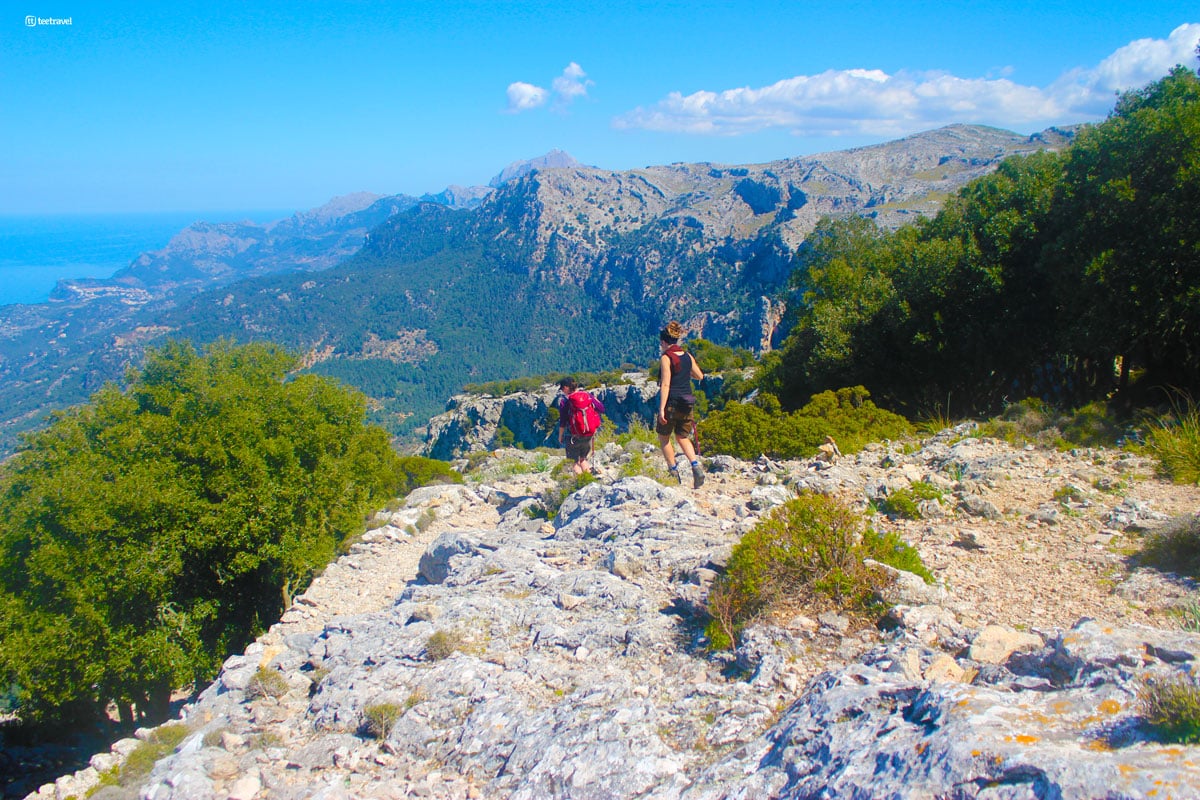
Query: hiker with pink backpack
x=676, y=403
x=578, y=420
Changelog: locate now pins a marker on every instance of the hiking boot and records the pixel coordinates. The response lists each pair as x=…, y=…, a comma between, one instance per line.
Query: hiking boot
x=676, y=474
x=697, y=475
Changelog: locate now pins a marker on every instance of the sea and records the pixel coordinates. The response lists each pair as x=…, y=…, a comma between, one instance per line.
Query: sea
x=36, y=251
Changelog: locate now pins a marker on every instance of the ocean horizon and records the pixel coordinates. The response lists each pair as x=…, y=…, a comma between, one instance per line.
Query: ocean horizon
x=38, y=250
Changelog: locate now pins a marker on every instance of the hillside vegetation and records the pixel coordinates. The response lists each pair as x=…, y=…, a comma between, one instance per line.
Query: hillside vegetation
x=1070, y=276
x=146, y=535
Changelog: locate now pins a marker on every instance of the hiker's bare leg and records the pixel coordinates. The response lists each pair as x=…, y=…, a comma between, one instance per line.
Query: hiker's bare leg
x=685, y=445
x=668, y=452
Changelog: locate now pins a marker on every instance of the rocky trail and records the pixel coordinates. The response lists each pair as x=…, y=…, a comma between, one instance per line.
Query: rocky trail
x=467, y=649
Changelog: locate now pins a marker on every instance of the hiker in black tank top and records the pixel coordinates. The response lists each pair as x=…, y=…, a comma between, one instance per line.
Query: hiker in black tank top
x=676, y=401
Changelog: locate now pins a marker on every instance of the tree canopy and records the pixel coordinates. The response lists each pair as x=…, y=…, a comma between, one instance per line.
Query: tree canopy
x=150, y=532
x=1059, y=275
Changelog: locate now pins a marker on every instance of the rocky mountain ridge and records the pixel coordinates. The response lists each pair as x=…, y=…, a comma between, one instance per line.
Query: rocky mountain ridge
x=581, y=253
x=512, y=657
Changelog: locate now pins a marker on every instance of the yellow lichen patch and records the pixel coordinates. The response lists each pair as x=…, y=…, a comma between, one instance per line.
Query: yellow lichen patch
x=1022, y=739
x=1127, y=769
x=976, y=753
x=1061, y=706
x=1099, y=745
x=1110, y=706
x=922, y=747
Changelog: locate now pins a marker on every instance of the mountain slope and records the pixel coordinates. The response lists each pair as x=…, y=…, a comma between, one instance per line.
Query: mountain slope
x=558, y=268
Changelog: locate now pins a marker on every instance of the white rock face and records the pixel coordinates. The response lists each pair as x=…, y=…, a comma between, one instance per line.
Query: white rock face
x=540, y=659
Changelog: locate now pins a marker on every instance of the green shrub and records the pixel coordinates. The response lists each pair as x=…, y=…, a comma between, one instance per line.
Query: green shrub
x=151, y=532
x=162, y=741
x=639, y=430
x=1035, y=421
x=903, y=503
x=476, y=460
x=267, y=683
x=1171, y=708
x=1021, y=422
x=1068, y=494
x=888, y=548
x=504, y=436
x=379, y=718
x=749, y=430
x=443, y=644
x=551, y=499
x=418, y=471
x=653, y=467
x=809, y=550
x=1175, y=547
x=1175, y=442
x=1092, y=425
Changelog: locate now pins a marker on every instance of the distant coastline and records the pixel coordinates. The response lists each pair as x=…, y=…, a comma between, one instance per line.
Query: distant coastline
x=38, y=250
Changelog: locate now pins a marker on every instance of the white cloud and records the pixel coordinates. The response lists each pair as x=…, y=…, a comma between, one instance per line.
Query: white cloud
x=872, y=102
x=524, y=96
x=571, y=84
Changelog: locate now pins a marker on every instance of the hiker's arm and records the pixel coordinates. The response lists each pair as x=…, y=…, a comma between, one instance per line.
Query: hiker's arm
x=696, y=373
x=664, y=386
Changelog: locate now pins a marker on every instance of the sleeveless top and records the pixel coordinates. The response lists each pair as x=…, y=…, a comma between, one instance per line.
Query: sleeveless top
x=681, y=373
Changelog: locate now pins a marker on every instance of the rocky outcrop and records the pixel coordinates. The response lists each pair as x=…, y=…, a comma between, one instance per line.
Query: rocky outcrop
x=472, y=422
x=534, y=659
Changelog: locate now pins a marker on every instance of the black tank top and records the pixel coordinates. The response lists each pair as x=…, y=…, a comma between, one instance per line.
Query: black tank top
x=681, y=377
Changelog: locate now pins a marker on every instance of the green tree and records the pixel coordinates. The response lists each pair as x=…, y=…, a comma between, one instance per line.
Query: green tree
x=150, y=532
x=1129, y=242
x=1032, y=281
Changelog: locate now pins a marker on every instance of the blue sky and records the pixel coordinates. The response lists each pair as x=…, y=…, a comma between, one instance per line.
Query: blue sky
x=181, y=106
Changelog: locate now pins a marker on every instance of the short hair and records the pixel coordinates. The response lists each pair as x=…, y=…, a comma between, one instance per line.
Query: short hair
x=568, y=384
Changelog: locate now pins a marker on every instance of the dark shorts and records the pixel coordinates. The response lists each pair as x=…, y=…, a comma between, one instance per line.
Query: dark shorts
x=679, y=420
x=578, y=447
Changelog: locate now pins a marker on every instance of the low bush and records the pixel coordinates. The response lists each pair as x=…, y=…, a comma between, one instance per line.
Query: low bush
x=161, y=742
x=749, y=430
x=1174, y=547
x=267, y=683
x=1175, y=441
x=1170, y=707
x=443, y=644
x=418, y=471
x=1034, y=421
x=379, y=719
x=810, y=551
x=905, y=503
x=888, y=548
x=551, y=499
